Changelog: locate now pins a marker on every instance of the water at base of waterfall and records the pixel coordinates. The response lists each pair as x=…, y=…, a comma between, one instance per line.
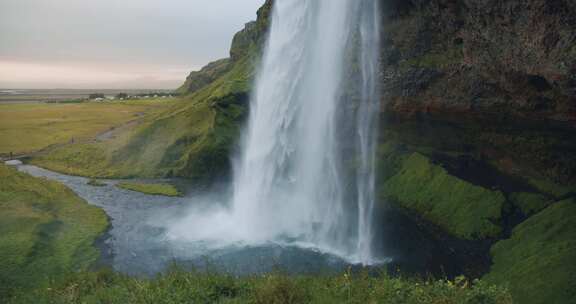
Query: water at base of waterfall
x=137, y=242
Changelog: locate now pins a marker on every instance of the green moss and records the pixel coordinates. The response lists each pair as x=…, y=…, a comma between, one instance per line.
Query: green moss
x=530, y=203
x=152, y=189
x=552, y=188
x=192, y=287
x=389, y=160
x=45, y=231
x=461, y=208
x=538, y=261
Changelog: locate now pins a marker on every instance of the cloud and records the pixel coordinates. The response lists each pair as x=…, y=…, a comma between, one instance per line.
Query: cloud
x=89, y=76
x=123, y=35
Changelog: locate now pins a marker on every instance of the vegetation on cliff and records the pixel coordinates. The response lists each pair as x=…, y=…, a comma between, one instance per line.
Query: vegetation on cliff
x=530, y=203
x=537, y=262
x=461, y=208
x=534, y=261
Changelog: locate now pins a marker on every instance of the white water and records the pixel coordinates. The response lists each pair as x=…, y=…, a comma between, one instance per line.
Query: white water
x=305, y=175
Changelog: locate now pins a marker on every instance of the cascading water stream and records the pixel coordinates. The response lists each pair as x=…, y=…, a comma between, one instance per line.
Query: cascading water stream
x=367, y=126
x=290, y=181
x=305, y=175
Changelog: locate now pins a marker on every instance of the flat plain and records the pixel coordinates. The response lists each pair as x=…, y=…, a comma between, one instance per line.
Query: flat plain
x=29, y=127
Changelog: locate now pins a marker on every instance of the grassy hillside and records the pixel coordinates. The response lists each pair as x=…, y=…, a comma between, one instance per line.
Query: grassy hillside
x=182, y=287
x=538, y=261
x=45, y=231
x=192, y=139
x=461, y=208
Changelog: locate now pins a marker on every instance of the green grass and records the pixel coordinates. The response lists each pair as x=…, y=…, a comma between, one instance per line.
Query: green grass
x=191, y=287
x=551, y=187
x=45, y=231
x=461, y=208
x=191, y=139
x=538, y=262
x=152, y=189
x=82, y=159
x=26, y=128
x=530, y=203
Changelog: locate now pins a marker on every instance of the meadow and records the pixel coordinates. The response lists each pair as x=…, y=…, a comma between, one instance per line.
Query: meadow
x=29, y=127
x=45, y=231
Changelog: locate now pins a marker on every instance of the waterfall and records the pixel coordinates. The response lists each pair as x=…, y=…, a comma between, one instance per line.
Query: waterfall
x=291, y=181
x=305, y=175
x=367, y=126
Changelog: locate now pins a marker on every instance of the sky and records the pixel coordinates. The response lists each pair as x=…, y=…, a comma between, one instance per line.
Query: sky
x=116, y=44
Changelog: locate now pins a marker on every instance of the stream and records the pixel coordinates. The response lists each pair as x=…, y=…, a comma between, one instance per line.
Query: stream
x=138, y=243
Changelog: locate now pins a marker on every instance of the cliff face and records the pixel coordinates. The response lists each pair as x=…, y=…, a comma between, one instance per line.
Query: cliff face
x=481, y=58
x=504, y=72
x=246, y=43
x=479, y=131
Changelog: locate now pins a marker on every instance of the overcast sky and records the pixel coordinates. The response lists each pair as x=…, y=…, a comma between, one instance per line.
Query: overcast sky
x=114, y=43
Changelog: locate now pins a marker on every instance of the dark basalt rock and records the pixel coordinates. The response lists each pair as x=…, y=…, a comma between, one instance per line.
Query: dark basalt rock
x=487, y=62
x=513, y=57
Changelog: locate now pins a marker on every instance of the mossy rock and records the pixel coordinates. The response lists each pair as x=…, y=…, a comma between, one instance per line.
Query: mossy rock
x=462, y=209
x=538, y=262
x=529, y=203
x=552, y=188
